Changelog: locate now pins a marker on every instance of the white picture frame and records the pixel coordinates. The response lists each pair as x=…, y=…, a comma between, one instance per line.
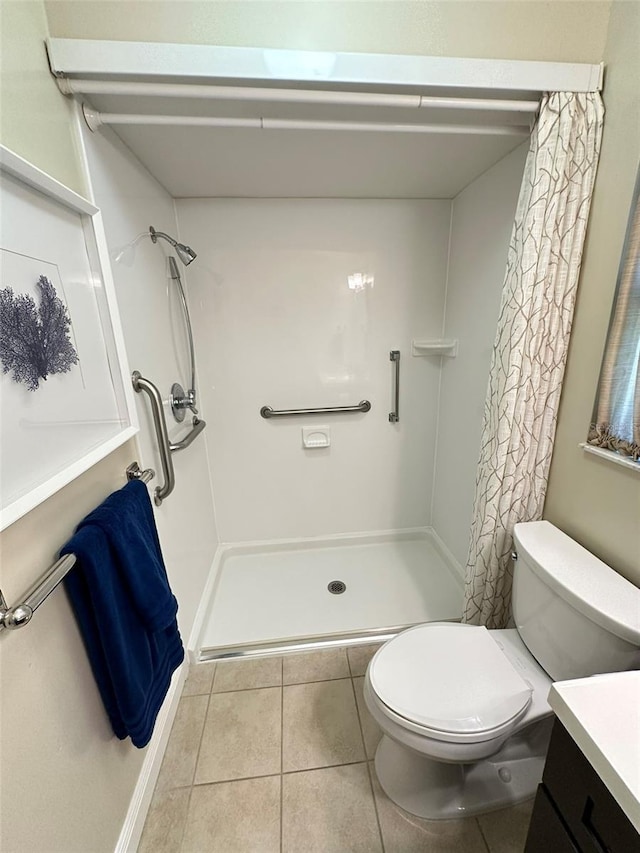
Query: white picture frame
x=51, y=435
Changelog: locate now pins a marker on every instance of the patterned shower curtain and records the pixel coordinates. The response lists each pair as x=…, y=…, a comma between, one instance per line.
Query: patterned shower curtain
x=531, y=344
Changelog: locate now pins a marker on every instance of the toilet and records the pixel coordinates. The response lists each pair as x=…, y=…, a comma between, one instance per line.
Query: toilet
x=464, y=710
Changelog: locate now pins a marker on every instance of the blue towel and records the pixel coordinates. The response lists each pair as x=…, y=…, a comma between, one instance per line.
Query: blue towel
x=126, y=611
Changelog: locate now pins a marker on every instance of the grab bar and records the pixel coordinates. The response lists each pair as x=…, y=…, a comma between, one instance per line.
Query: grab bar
x=268, y=412
x=198, y=426
x=168, y=474
x=394, y=416
x=165, y=447
x=20, y=614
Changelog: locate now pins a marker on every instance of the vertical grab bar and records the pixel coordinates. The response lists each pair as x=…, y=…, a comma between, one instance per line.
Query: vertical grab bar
x=142, y=384
x=394, y=416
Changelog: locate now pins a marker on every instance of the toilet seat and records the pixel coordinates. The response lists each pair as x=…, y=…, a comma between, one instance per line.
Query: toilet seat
x=449, y=682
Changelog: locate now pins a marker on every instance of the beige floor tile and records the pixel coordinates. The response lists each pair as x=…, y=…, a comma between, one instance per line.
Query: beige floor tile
x=320, y=725
x=165, y=822
x=234, y=817
x=506, y=831
x=404, y=833
x=247, y=674
x=199, y=680
x=359, y=657
x=179, y=760
x=315, y=666
x=371, y=731
x=329, y=811
x=242, y=736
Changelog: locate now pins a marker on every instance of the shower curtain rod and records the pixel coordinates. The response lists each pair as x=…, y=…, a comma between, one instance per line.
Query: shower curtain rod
x=95, y=119
x=255, y=93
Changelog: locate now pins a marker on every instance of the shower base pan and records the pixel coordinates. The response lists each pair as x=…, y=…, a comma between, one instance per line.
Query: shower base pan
x=275, y=597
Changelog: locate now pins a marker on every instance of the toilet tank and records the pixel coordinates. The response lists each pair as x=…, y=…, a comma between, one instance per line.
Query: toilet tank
x=576, y=615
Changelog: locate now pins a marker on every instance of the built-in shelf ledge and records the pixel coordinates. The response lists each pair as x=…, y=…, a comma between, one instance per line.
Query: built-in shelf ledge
x=438, y=346
x=610, y=456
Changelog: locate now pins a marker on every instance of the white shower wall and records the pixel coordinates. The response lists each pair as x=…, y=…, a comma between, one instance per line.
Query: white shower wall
x=297, y=303
x=481, y=224
x=131, y=200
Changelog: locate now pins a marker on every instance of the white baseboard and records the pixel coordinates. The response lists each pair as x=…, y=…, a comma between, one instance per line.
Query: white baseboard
x=143, y=792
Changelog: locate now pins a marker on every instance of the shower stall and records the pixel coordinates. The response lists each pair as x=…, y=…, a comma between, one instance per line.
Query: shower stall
x=343, y=207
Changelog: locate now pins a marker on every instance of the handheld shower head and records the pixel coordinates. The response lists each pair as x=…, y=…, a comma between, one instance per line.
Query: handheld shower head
x=185, y=253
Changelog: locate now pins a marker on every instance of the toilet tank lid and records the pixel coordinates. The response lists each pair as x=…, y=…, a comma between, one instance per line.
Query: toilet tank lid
x=589, y=585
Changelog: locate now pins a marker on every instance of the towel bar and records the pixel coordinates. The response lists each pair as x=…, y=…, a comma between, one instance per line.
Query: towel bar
x=21, y=613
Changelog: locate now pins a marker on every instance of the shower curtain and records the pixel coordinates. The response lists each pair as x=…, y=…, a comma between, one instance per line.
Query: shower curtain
x=531, y=344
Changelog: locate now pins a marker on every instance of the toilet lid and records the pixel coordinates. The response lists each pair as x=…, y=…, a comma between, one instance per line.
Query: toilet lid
x=450, y=678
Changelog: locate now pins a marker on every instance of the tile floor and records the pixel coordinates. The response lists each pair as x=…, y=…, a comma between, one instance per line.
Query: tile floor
x=274, y=755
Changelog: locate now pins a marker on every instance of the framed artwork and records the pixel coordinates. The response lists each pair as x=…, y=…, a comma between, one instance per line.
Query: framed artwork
x=66, y=399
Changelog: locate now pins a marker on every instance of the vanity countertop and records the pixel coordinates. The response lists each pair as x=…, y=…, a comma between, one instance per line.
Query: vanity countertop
x=602, y=715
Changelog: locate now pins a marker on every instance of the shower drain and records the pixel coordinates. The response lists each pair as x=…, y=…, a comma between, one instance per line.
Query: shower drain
x=336, y=587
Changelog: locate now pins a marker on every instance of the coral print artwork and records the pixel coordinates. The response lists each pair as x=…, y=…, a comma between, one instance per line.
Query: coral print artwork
x=34, y=340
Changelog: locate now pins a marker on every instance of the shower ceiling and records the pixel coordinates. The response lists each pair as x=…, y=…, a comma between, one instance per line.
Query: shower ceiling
x=193, y=161
x=208, y=162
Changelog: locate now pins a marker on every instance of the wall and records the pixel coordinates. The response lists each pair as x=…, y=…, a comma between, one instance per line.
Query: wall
x=481, y=225
x=511, y=29
x=593, y=500
x=34, y=116
x=131, y=200
x=280, y=326
x=66, y=780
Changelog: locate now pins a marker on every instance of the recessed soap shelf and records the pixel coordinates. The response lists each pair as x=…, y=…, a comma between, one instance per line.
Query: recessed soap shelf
x=316, y=436
x=436, y=346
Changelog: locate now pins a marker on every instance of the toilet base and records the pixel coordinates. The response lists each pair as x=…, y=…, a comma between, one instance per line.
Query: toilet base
x=439, y=791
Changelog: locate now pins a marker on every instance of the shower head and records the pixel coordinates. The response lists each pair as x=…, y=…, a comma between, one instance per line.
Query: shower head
x=185, y=253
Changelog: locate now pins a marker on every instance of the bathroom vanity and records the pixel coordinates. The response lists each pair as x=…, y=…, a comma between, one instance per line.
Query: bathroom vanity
x=589, y=798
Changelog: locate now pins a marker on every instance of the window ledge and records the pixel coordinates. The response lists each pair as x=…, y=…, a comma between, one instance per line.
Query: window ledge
x=610, y=456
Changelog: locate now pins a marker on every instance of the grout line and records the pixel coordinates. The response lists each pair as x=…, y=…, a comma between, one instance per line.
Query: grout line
x=366, y=757
x=281, y=750
x=231, y=781
x=195, y=766
x=204, y=725
x=375, y=803
x=245, y=689
x=486, y=843
x=355, y=699
x=273, y=775
x=323, y=767
x=215, y=672
x=269, y=775
x=318, y=681
x=268, y=686
x=346, y=651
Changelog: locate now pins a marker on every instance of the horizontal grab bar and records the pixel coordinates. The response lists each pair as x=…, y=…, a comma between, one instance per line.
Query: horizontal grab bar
x=197, y=428
x=268, y=412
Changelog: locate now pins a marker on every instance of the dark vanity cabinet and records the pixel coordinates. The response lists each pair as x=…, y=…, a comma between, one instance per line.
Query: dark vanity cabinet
x=574, y=812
